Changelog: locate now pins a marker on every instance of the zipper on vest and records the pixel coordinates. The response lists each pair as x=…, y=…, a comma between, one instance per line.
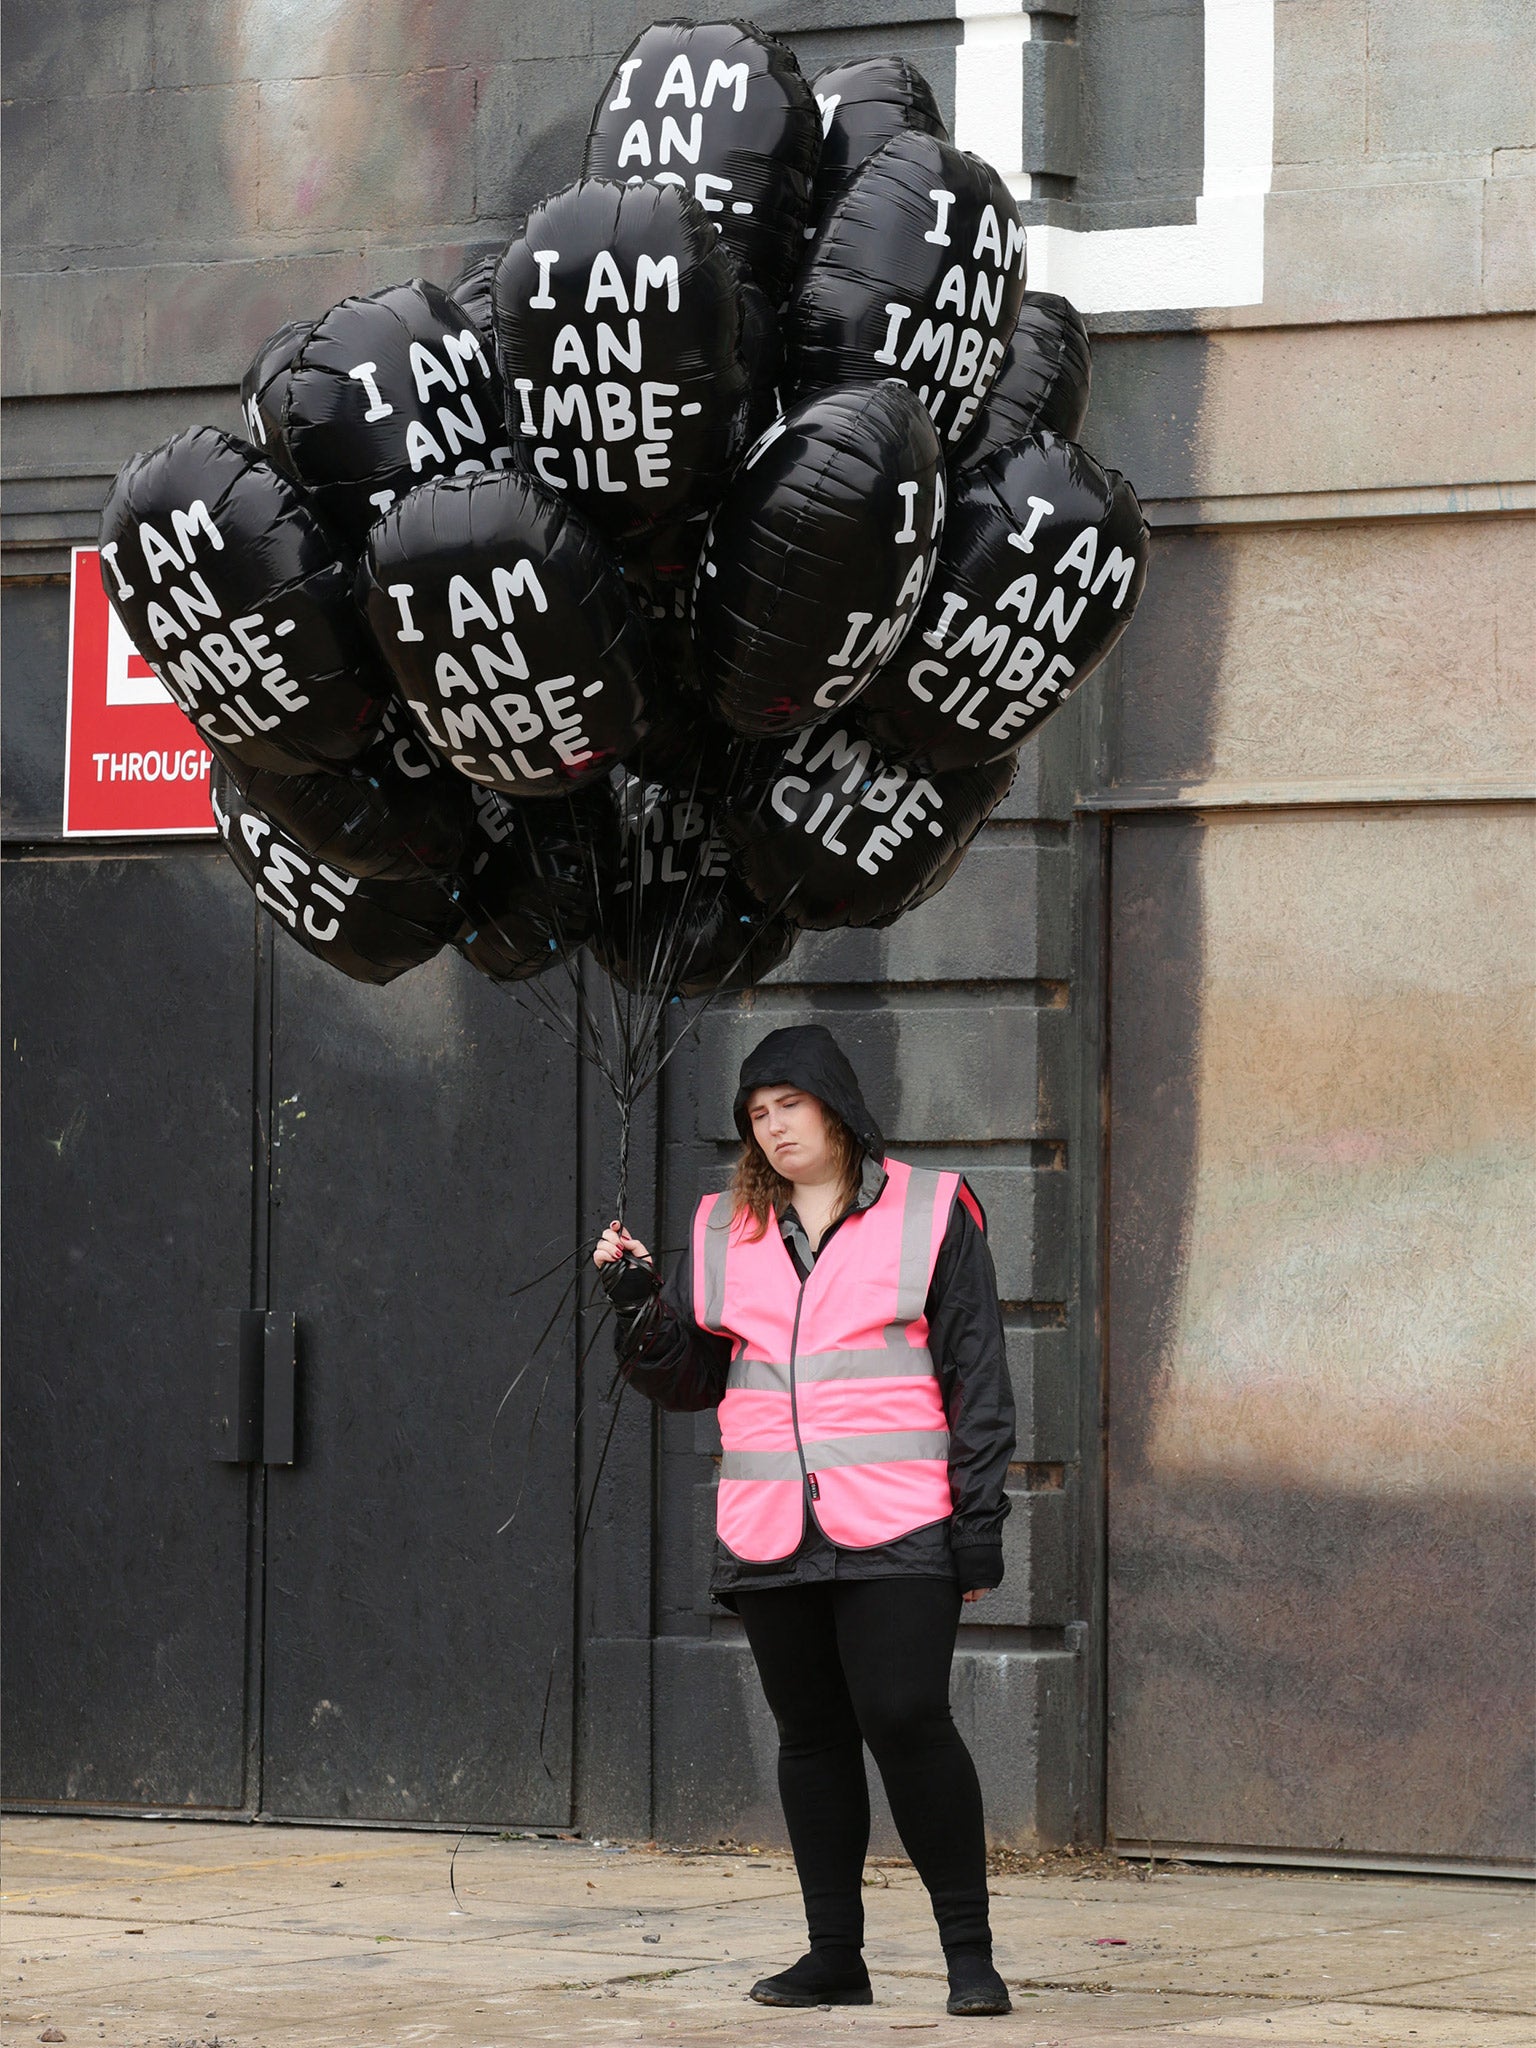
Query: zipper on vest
x=808, y=1478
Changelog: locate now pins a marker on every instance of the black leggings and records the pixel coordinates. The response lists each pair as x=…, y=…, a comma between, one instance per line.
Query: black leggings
x=862, y=1661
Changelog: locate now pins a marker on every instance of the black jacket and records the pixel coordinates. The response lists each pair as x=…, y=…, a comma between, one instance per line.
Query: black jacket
x=666, y=1355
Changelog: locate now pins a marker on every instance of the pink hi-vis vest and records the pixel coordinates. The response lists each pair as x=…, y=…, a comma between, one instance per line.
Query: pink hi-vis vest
x=832, y=1391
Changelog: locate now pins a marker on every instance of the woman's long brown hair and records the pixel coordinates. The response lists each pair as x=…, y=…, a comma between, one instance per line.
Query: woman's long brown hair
x=759, y=1189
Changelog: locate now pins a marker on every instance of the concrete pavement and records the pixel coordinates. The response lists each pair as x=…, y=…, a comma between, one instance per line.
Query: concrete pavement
x=128, y=1933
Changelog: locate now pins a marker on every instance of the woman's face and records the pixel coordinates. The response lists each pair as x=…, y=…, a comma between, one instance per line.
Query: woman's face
x=791, y=1128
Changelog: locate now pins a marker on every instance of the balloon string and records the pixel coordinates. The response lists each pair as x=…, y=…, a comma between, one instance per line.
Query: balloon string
x=629, y=1052
x=643, y=1057
x=569, y=1297
x=664, y=969
x=602, y=1321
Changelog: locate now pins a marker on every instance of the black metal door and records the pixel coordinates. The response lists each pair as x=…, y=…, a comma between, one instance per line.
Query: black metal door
x=418, y=1663
x=129, y=996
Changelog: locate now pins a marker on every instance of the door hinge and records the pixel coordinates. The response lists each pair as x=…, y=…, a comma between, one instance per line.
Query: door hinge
x=280, y=1390
x=255, y=1391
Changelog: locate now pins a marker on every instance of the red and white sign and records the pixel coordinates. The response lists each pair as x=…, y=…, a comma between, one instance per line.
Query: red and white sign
x=133, y=763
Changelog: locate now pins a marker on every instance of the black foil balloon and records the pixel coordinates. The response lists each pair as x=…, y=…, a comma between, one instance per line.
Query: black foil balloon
x=863, y=105
x=659, y=563
x=917, y=272
x=676, y=916
x=818, y=557
x=389, y=391
x=471, y=291
x=666, y=556
x=722, y=111
x=264, y=390
x=686, y=748
x=833, y=834
x=228, y=586
x=528, y=890
x=763, y=346
x=372, y=931
x=619, y=327
x=509, y=631
x=1043, y=563
x=1042, y=383
x=398, y=811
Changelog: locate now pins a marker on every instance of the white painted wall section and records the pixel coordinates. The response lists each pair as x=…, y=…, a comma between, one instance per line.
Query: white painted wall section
x=989, y=86
x=1218, y=260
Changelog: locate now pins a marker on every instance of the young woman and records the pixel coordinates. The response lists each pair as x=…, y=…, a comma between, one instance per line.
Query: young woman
x=840, y=1310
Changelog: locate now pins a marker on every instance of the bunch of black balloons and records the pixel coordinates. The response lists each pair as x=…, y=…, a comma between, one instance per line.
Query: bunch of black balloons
x=684, y=575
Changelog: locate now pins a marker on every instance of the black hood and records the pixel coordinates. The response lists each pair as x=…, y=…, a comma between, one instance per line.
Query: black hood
x=808, y=1056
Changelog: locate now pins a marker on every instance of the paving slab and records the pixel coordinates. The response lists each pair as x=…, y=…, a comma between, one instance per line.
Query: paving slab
x=135, y=1934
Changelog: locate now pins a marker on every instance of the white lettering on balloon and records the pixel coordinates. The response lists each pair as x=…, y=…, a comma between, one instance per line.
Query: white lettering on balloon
x=951, y=363
x=309, y=896
x=212, y=666
x=654, y=143
x=459, y=424
x=659, y=843
x=1015, y=648
x=447, y=425
x=871, y=807
x=869, y=642
x=475, y=708
x=577, y=428
x=378, y=406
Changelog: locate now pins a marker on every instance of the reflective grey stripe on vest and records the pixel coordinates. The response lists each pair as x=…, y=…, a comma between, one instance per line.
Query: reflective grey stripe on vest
x=916, y=1238
x=767, y=1375
x=717, y=1232
x=878, y=1447
x=916, y=1363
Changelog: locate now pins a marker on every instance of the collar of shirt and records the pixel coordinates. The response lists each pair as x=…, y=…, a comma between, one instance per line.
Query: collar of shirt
x=872, y=1179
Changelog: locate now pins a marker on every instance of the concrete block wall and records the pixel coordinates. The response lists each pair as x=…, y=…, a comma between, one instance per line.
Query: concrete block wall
x=1363, y=432
x=1403, y=159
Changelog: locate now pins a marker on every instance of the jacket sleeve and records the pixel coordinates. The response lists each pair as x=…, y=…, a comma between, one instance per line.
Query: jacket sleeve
x=661, y=1350
x=965, y=1327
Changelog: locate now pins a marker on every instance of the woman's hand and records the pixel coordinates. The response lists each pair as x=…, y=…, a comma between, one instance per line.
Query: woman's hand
x=980, y=1593
x=615, y=1242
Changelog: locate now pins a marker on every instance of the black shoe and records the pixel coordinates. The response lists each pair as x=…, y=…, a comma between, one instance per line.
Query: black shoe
x=824, y=1977
x=975, y=1988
